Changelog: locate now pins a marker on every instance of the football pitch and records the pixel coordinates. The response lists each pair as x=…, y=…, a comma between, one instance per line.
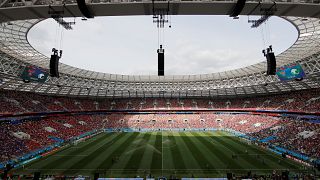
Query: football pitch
x=182, y=154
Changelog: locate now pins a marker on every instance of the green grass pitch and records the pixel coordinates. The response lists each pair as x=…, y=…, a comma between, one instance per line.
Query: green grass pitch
x=183, y=154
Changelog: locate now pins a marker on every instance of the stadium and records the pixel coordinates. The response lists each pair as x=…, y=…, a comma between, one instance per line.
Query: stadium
x=62, y=122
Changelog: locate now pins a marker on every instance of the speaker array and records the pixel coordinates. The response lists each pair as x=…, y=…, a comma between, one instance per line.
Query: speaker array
x=271, y=63
x=160, y=64
x=54, y=65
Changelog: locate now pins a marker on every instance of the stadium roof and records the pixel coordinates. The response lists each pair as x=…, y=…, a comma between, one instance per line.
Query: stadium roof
x=16, y=52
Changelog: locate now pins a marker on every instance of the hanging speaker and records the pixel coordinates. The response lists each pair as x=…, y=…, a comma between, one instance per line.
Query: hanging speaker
x=54, y=65
x=160, y=62
x=271, y=63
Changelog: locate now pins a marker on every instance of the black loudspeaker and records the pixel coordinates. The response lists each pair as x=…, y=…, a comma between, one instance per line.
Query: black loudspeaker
x=54, y=66
x=160, y=64
x=229, y=175
x=96, y=176
x=271, y=63
x=36, y=176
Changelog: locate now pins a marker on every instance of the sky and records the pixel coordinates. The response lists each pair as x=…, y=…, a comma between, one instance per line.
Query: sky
x=193, y=45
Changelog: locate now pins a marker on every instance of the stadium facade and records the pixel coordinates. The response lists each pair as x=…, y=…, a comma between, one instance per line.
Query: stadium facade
x=16, y=53
x=35, y=123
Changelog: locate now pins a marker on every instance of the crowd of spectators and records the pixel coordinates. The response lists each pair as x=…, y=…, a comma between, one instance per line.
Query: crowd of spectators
x=297, y=135
x=14, y=101
x=240, y=122
x=38, y=133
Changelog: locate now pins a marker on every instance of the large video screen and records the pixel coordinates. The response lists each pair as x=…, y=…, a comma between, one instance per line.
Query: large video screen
x=33, y=73
x=293, y=71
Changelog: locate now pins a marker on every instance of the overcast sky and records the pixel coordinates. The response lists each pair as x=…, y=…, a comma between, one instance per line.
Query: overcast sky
x=193, y=45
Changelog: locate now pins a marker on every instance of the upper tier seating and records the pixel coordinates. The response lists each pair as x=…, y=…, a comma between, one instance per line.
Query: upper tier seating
x=17, y=102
